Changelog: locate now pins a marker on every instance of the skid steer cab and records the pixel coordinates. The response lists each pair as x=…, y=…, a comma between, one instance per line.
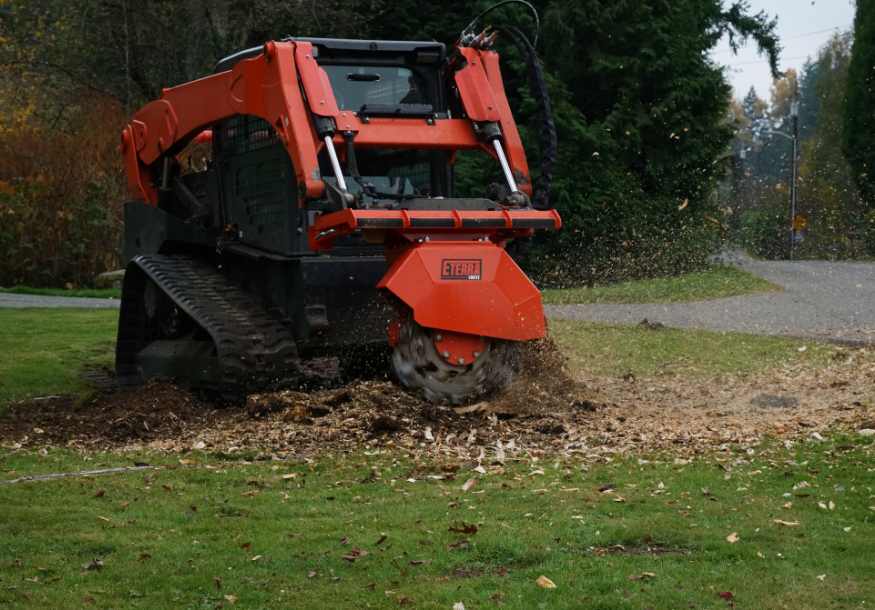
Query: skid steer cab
x=324, y=185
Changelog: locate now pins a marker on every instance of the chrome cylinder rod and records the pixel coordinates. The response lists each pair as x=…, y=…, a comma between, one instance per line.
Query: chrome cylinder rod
x=335, y=164
x=505, y=167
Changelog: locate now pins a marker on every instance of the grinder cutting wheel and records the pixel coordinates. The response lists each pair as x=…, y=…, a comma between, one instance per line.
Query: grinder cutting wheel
x=329, y=187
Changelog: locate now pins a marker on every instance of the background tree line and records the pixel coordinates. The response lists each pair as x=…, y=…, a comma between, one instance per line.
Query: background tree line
x=642, y=115
x=836, y=127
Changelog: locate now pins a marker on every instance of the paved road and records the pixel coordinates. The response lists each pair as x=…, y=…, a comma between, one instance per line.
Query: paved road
x=824, y=300
x=21, y=301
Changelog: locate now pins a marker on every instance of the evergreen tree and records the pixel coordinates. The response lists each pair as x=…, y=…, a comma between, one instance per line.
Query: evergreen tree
x=827, y=193
x=859, y=118
x=809, y=101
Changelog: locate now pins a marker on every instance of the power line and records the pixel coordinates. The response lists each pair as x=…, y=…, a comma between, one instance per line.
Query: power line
x=794, y=37
x=764, y=61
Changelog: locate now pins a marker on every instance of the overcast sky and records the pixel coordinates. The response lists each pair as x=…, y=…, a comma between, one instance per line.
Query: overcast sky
x=803, y=26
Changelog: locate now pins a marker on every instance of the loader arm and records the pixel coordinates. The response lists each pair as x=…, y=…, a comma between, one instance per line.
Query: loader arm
x=287, y=88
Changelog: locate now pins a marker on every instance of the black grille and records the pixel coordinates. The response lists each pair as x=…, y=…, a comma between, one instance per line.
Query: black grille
x=243, y=133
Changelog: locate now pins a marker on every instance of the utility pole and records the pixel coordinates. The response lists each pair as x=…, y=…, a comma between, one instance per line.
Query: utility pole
x=794, y=116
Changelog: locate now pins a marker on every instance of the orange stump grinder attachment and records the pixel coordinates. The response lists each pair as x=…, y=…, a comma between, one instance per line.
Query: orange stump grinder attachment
x=465, y=304
x=330, y=179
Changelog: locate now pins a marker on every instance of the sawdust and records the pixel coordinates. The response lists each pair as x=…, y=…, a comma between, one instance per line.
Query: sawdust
x=547, y=410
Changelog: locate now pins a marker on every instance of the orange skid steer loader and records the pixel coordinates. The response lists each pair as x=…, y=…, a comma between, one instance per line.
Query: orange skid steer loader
x=299, y=203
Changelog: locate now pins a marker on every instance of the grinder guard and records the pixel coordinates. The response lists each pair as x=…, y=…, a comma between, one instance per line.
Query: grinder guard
x=471, y=288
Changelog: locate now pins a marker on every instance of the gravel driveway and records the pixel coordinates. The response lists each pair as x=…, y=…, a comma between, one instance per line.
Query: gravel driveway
x=823, y=300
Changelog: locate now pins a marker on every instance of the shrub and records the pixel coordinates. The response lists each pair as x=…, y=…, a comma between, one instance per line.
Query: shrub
x=59, y=200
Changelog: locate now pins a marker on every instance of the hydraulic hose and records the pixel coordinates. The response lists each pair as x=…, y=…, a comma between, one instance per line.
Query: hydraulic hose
x=548, y=138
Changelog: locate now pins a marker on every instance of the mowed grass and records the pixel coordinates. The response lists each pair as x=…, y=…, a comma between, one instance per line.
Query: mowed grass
x=714, y=283
x=95, y=293
x=377, y=531
x=43, y=351
x=619, y=350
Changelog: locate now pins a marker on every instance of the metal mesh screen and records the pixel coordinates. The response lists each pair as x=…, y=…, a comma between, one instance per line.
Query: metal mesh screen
x=243, y=133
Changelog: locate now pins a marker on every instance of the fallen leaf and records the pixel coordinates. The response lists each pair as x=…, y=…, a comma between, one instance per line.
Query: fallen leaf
x=218, y=582
x=458, y=606
x=257, y=557
x=291, y=475
x=471, y=408
x=94, y=564
x=643, y=576
x=231, y=599
x=732, y=538
x=144, y=556
x=786, y=523
x=355, y=554
x=418, y=562
x=683, y=204
x=821, y=577
x=727, y=595
x=100, y=493
x=469, y=484
x=545, y=583
x=381, y=540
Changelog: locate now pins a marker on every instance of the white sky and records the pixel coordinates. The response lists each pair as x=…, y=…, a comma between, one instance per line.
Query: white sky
x=803, y=26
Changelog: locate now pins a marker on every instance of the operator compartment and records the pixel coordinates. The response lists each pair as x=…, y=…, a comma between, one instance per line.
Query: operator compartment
x=386, y=84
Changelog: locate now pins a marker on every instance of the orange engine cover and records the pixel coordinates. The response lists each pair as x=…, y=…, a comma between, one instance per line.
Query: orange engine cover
x=467, y=287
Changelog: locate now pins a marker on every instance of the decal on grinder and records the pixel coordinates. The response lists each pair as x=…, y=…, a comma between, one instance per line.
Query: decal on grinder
x=461, y=268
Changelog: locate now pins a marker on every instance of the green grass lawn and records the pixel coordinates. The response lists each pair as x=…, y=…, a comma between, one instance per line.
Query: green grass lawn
x=617, y=350
x=330, y=534
x=96, y=293
x=43, y=351
x=717, y=282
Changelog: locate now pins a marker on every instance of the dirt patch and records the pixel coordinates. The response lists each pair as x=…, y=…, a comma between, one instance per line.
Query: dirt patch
x=546, y=410
x=543, y=386
x=153, y=411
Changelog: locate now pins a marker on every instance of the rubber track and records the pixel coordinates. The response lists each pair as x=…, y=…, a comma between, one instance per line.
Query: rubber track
x=254, y=348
